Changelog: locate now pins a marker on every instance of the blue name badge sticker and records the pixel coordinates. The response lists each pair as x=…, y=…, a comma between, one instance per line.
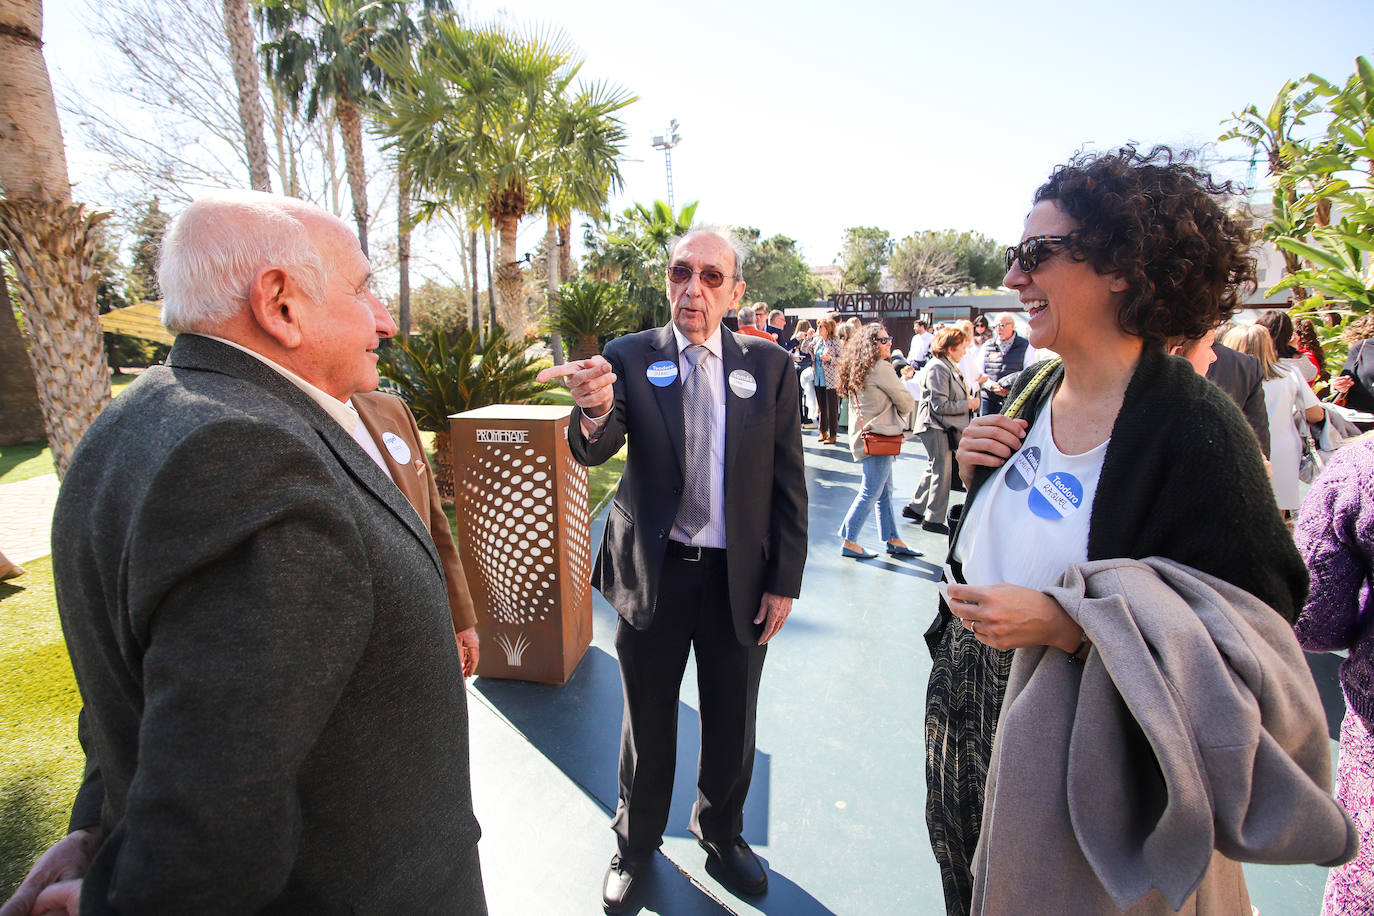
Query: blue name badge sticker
x=1056, y=496
x=662, y=373
x=1021, y=474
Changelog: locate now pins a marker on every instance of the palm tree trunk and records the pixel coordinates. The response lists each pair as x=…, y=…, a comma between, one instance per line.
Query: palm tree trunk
x=21, y=417
x=351, y=128
x=509, y=279
x=476, y=302
x=47, y=237
x=238, y=28
x=50, y=244
x=443, y=466
x=491, y=284
x=403, y=245
x=552, y=284
x=565, y=271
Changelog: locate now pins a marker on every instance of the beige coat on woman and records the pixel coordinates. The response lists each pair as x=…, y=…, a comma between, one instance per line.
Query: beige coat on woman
x=885, y=401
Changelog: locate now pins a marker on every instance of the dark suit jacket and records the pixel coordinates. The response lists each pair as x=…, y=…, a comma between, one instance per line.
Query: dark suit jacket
x=1239, y=375
x=765, y=482
x=385, y=413
x=260, y=631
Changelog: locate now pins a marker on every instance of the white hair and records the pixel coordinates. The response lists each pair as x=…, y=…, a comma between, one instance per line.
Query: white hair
x=745, y=315
x=726, y=235
x=215, y=248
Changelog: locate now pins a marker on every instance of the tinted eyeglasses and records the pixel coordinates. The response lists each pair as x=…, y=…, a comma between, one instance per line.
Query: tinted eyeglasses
x=883, y=340
x=1033, y=250
x=710, y=277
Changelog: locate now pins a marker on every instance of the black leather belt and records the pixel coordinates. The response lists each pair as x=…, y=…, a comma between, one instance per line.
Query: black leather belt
x=694, y=554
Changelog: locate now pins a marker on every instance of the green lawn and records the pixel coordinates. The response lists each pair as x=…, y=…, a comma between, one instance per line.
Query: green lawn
x=34, y=459
x=40, y=759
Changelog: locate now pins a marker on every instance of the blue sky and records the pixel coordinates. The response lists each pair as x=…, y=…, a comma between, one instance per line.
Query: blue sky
x=804, y=117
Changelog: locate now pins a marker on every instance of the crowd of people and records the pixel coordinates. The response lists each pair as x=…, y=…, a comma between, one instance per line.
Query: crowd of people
x=269, y=627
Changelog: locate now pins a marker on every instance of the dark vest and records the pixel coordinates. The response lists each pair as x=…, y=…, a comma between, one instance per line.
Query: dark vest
x=997, y=364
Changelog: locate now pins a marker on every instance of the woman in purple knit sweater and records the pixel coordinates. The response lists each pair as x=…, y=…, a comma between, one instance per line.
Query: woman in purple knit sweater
x=1335, y=533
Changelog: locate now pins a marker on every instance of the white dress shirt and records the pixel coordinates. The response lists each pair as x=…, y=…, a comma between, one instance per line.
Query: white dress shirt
x=713, y=534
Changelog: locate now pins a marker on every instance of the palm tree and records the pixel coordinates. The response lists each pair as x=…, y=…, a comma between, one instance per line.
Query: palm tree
x=322, y=52
x=243, y=54
x=588, y=312
x=635, y=251
x=470, y=113
x=586, y=144
x=48, y=238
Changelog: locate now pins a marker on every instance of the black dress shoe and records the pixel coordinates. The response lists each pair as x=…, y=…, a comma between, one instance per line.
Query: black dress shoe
x=742, y=869
x=619, y=881
x=936, y=527
x=909, y=511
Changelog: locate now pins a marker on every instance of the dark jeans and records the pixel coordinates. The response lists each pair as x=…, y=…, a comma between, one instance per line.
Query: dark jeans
x=828, y=399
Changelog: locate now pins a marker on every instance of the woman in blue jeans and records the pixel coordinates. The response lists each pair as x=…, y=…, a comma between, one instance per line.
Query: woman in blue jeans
x=883, y=406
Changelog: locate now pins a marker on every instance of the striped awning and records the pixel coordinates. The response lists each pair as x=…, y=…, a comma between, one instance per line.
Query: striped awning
x=143, y=321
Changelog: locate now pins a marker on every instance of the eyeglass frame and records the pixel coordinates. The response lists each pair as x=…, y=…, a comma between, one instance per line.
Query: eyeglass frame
x=693, y=272
x=883, y=340
x=1039, y=243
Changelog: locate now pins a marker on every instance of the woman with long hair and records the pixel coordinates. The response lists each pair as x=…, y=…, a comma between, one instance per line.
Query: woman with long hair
x=1285, y=340
x=800, y=346
x=942, y=414
x=1310, y=346
x=827, y=375
x=1287, y=398
x=881, y=405
x=1118, y=559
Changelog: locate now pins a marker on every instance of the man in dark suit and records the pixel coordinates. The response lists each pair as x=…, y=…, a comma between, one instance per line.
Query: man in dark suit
x=704, y=546
x=257, y=618
x=1239, y=375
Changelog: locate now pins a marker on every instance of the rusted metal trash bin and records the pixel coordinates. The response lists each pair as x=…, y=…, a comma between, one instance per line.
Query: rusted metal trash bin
x=523, y=532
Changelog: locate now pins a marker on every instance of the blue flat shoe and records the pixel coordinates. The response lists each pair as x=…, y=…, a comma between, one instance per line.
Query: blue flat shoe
x=857, y=554
x=894, y=551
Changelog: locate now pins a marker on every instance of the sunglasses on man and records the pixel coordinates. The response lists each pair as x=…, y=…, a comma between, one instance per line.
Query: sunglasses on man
x=1033, y=250
x=710, y=277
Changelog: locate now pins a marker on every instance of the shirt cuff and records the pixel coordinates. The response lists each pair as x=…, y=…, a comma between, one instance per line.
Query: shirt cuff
x=592, y=426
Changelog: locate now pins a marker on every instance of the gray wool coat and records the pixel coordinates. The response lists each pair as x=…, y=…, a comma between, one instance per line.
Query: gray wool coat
x=1190, y=740
x=260, y=630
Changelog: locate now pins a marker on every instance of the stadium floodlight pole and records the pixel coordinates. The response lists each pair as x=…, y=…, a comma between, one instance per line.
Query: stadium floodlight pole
x=666, y=142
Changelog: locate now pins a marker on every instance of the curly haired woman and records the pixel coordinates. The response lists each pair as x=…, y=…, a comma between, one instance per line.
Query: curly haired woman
x=1118, y=560
x=882, y=405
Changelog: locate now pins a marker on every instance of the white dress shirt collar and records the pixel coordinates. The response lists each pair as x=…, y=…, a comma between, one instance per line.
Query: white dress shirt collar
x=711, y=343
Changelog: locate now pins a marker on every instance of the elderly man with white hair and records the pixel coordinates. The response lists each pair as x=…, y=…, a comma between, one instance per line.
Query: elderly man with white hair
x=258, y=619
x=1007, y=353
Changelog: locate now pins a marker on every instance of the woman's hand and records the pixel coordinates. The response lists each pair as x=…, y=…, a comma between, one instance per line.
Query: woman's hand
x=988, y=442
x=1342, y=383
x=1012, y=617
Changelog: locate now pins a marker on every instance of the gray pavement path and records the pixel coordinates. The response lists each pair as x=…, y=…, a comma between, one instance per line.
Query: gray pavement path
x=26, y=517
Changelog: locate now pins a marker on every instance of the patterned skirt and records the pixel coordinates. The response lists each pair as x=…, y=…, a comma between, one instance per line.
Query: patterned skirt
x=1350, y=887
x=963, y=701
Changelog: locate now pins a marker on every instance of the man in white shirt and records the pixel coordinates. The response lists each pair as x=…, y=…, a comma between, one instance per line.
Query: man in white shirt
x=919, y=353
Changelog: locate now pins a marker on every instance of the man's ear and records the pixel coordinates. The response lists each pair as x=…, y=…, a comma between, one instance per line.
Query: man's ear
x=274, y=300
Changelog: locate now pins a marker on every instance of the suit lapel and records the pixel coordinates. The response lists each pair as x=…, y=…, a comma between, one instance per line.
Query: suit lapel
x=734, y=353
x=378, y=422
x=193, y=351
x=669, y=397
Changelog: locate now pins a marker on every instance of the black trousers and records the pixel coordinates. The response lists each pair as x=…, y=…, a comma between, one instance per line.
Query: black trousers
x=828, y=401
x=693, y=612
